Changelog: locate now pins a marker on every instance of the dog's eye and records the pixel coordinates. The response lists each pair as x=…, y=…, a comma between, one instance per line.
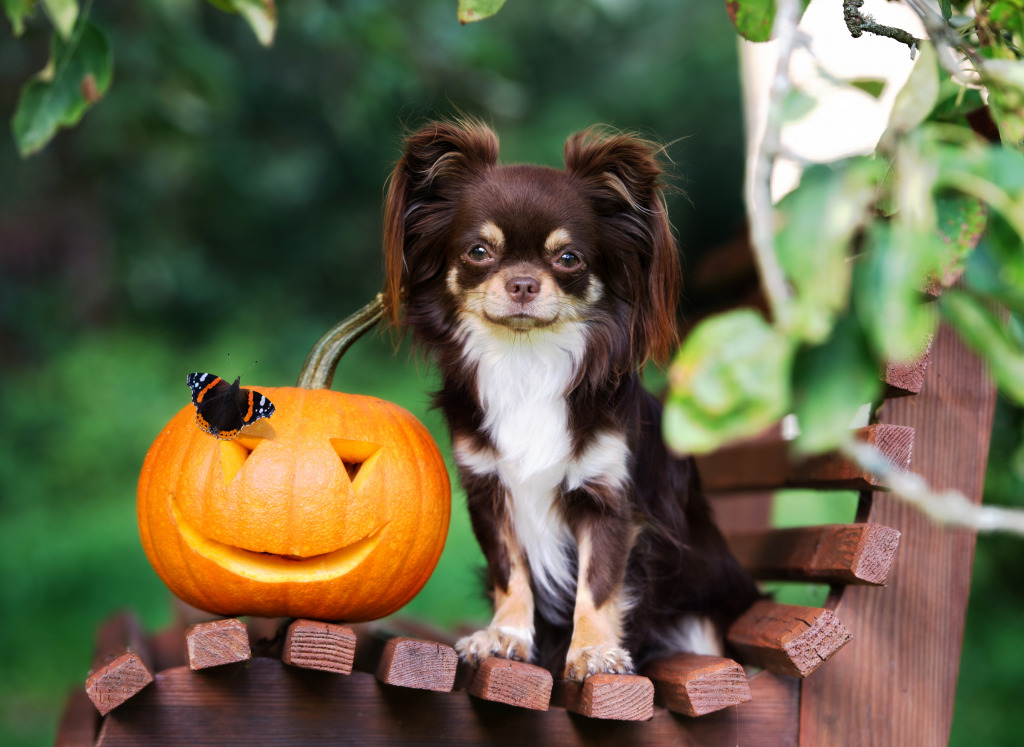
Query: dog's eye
x=569, y=261
x=478, y=253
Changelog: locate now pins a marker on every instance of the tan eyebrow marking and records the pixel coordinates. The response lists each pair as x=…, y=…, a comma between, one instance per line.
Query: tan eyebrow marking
x=557, y=239
x=492, y=235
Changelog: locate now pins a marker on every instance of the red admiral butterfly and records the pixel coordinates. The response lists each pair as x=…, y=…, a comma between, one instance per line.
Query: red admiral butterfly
x=222, y=408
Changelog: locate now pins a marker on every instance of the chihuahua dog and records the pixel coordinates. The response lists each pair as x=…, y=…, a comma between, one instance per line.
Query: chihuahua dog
x=541, y=293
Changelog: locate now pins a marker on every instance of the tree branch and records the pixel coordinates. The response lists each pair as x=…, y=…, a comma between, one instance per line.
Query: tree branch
x=858, y=23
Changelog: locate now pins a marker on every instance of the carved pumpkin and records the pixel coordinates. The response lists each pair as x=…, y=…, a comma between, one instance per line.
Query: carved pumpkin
x=336, y=508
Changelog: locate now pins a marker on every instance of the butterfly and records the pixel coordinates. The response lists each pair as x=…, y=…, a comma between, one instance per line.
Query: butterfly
x=223, y=409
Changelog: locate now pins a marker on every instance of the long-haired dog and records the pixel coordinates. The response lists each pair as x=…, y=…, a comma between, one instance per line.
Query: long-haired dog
x=541, y=293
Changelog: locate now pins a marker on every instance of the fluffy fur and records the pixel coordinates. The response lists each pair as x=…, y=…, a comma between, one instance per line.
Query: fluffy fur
x=541, y=293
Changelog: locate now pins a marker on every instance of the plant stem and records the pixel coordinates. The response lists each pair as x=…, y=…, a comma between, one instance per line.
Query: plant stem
x=318, y=370
x=760, y=160
x=947, y=507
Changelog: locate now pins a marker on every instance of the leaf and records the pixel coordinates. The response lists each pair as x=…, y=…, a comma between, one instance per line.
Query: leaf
x=63, y=14
x=76, y=77
x=1004, y=80
x=888, y=284
x=797, y=105
x=990, y=338
x=946, y=6
x=477, y=10
x=817, y=223
x=996, y=267
x=831, y=382
x=261, y=15
x=916, y=99
x=729, y=380
x=961, y=222
x=753, y=19
x=871, y=86
x=17, y=11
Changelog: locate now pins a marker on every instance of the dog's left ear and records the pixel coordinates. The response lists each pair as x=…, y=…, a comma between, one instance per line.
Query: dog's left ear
x=622, y=175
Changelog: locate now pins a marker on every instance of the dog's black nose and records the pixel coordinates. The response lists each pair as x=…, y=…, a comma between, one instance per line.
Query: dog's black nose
x=522, y=290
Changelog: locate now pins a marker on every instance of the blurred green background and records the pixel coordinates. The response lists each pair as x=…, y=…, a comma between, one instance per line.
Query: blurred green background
x=225, y=200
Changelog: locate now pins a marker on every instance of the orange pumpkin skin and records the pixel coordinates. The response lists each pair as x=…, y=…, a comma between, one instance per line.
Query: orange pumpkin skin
x=335, y=508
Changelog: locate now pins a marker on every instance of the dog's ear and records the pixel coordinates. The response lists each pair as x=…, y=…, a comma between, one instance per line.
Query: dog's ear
x=622, y=176
x=439, y=161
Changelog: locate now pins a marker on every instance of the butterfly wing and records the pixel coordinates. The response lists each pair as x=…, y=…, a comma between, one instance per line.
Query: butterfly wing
x=223, y=409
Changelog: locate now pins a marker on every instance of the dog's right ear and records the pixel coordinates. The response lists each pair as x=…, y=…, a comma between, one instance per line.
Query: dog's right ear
x=439, y=161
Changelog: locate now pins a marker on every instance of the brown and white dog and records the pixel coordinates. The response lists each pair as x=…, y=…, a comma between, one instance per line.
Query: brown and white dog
x=541, y=293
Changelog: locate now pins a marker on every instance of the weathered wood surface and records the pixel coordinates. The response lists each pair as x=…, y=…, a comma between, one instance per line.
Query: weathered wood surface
x=122, y=665
x=327, y=647
x=767, y=464
x=412, y=662
x=513, y=683
x=267, y=703
x=695, y=684
x=896, y=682
x=786, y=638
x=216, y=643
x=79, y=722
x=836, y=553
x=620, y=697
x=902, y=379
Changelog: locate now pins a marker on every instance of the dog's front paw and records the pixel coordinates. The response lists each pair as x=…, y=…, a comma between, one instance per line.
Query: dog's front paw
x=506, y=643
x=583, y=662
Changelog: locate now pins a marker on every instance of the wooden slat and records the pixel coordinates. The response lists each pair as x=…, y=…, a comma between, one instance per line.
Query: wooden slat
x=619, y=697
x=786, y=638
x=269, y=704
x=513, y=683
x=836, y=553
x=764, y=465
x=696, y=684
x=327, y=647
x=215, y=643
x=122, y=665
x=896, y=682
x=419, y=664
x=79, y=722
x=902, y=379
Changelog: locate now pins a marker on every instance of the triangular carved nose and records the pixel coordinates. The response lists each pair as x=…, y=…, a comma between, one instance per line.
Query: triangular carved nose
x=357, y=457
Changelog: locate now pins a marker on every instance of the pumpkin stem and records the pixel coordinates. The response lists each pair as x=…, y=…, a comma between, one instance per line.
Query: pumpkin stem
x=318, y=370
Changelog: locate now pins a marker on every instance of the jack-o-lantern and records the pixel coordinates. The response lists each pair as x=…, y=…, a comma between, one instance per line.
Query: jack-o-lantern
x=335, y=508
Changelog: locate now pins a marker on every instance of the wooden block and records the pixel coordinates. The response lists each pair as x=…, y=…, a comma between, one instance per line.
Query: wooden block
x=512, y=682
x=213, y=644
x=423, y=665
x=269, y=704
x=619, y=697
x=902, y=379
x=327, y=647
x=765, y=465
x=786, y=638
x=837, y=553
x=696, y=684
x=79, y=722
x=122, y=665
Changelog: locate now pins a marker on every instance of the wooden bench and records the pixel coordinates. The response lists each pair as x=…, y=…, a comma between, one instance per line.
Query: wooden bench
x=872, y=666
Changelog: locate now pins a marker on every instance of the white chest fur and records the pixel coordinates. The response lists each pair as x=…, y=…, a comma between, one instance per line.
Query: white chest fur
x=522, y=380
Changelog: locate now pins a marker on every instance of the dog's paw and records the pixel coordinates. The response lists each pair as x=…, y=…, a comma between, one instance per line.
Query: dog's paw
x=583, y=662
x=506, y=643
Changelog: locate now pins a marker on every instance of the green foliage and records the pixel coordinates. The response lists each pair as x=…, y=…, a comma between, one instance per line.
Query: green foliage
x=477, y=10
x=77, y=75
x=261, y=15
x=17, y=11
x=729, y=380
x=63, y=14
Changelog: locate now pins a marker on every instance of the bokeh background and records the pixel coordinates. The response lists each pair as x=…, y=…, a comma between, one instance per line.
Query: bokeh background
x=222, y=205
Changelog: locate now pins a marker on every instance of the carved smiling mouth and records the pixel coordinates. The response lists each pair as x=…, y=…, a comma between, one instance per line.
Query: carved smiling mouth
x=271, y=568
